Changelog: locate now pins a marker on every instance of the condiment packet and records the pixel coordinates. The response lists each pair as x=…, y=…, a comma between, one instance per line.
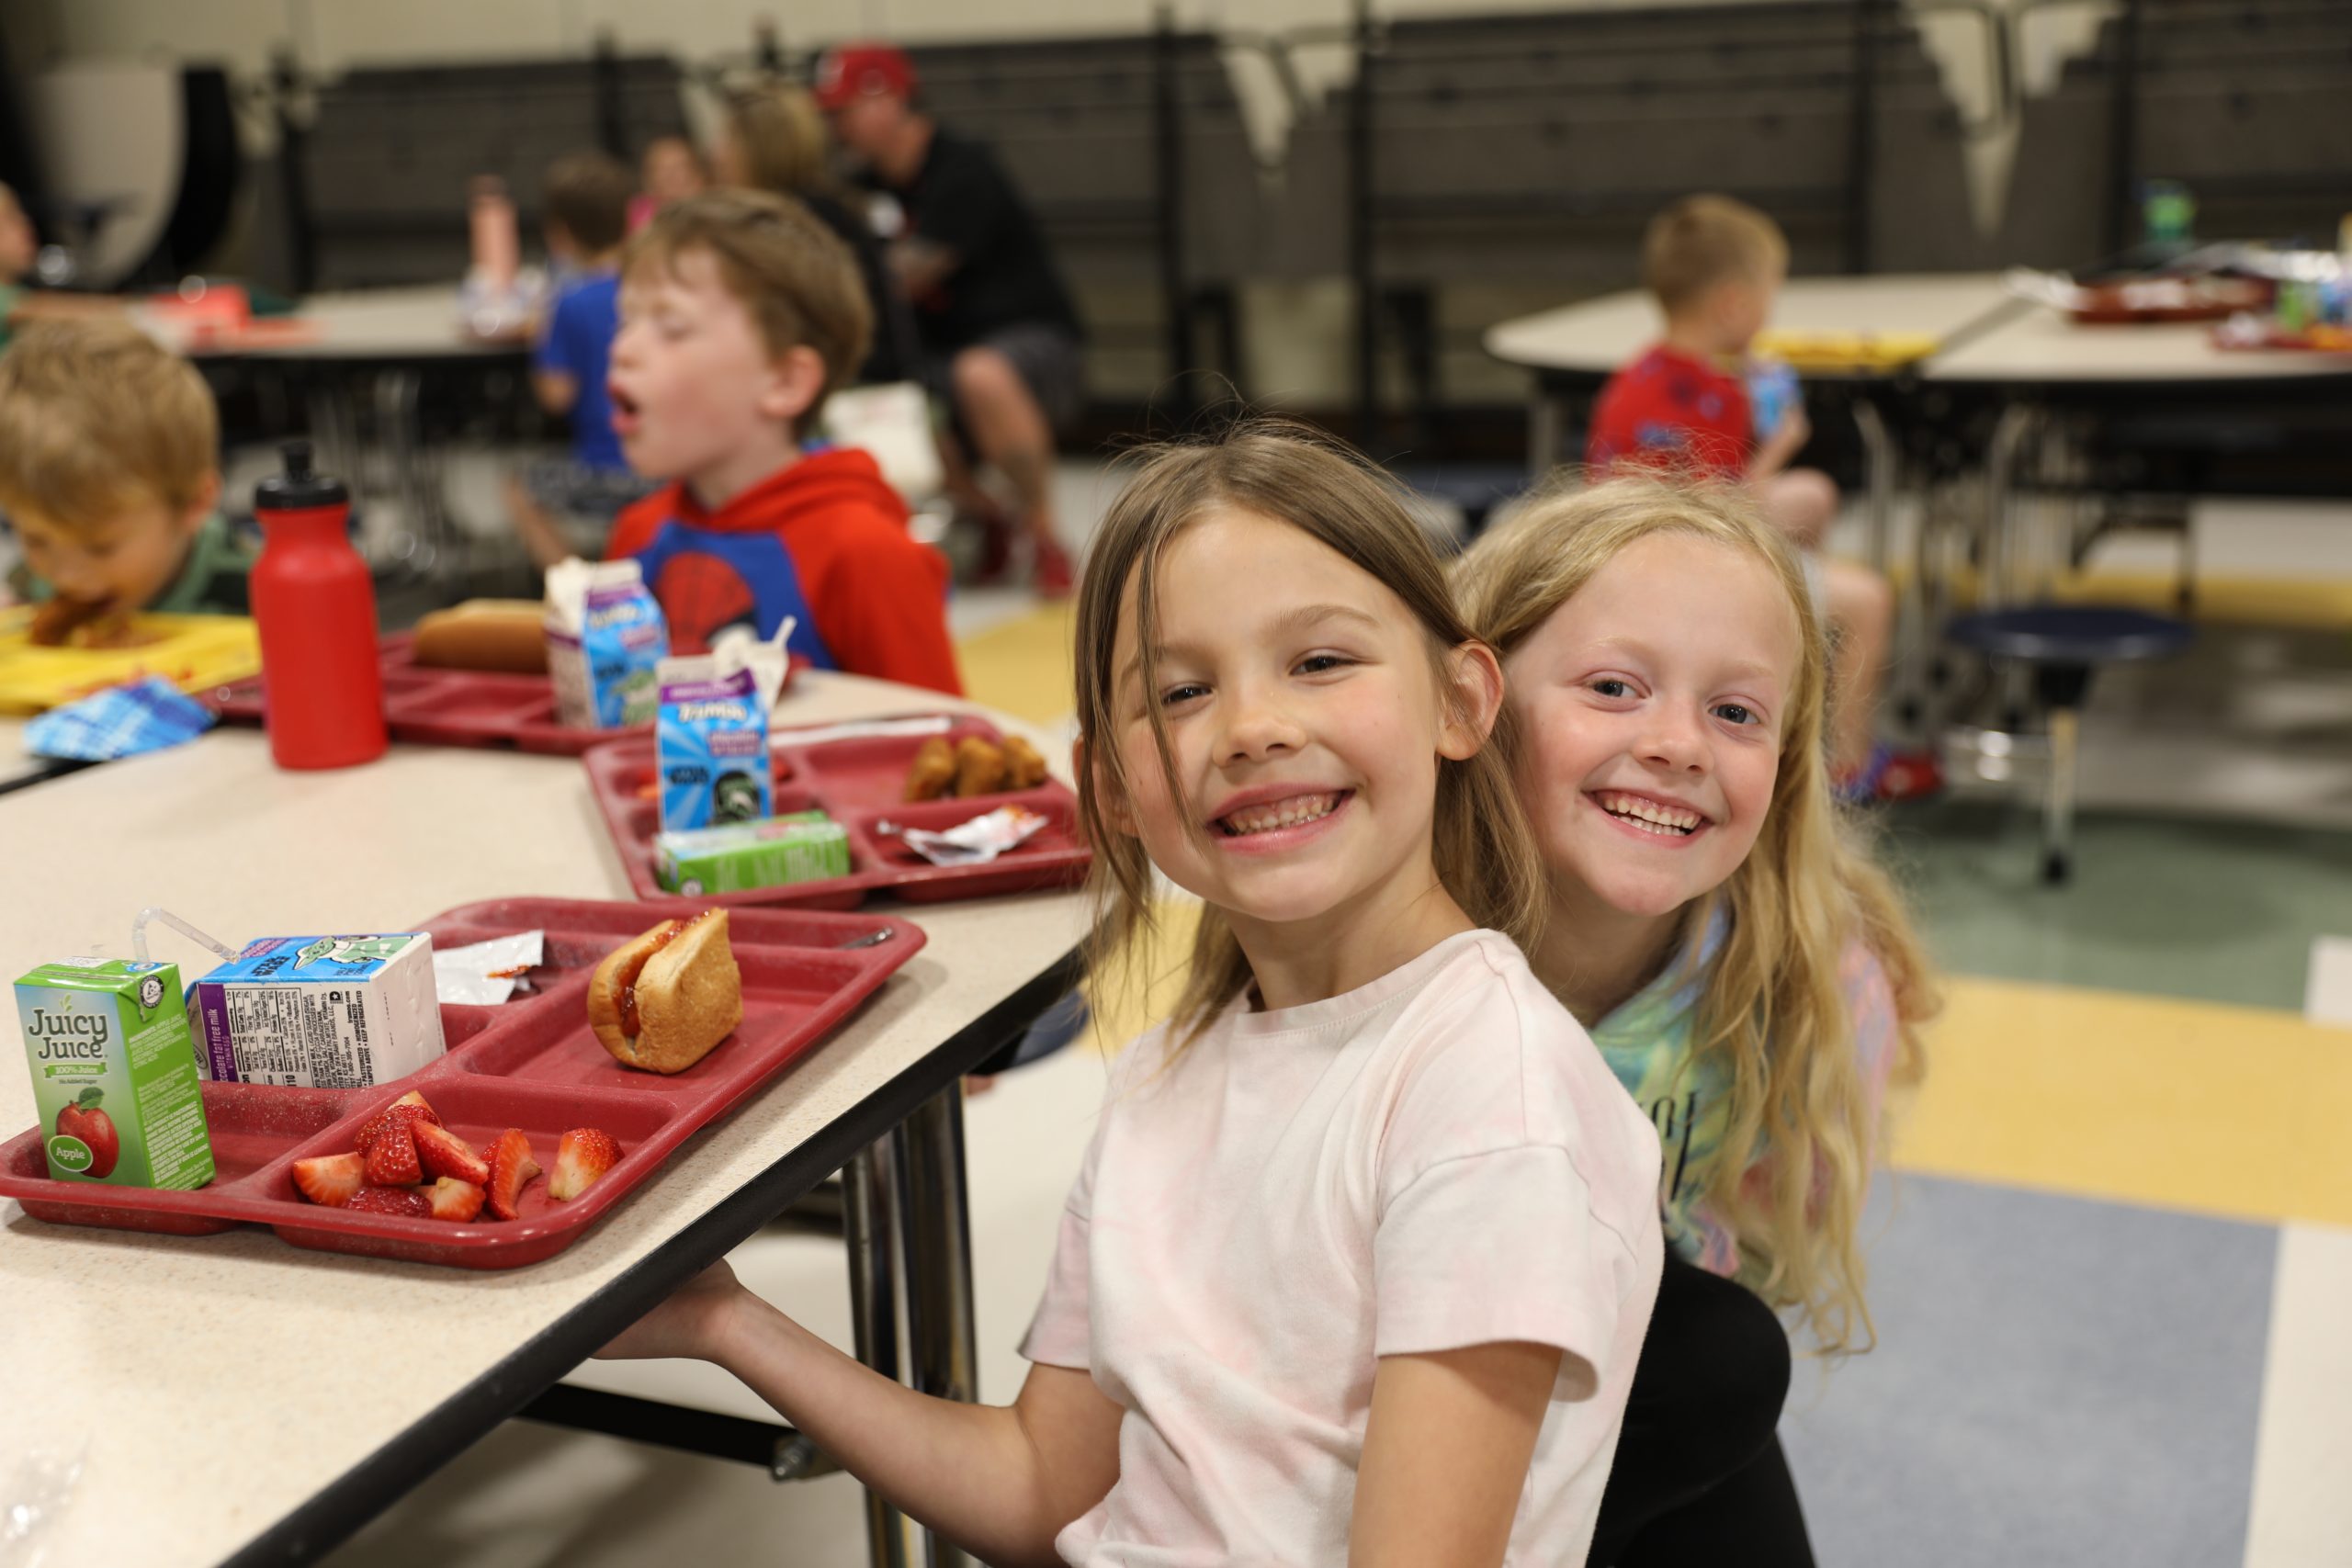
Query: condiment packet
x=486, y=972
x=978, y=841
x=121, y=721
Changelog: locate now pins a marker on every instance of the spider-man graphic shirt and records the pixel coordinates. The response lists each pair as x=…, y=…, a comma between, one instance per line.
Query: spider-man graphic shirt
x=1672, y=411
x=823, y=540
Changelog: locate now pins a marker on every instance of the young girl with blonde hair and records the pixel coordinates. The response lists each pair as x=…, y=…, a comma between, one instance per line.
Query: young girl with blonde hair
x=1359, y=1261
x=1742, y=964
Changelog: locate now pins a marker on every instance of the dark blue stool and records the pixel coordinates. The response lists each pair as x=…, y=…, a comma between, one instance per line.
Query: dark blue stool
x=2065, y=645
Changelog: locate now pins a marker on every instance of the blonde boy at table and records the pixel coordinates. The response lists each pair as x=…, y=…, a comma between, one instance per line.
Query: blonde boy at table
x=110, y=474
x=1683, y=407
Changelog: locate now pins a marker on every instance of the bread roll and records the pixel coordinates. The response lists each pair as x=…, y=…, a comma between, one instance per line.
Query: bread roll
x=503, y=635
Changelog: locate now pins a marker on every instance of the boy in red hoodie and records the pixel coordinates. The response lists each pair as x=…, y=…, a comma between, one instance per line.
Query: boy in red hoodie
x=739, y=312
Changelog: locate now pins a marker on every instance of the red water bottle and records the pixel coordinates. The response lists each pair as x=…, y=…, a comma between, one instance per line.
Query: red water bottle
x=322, y=687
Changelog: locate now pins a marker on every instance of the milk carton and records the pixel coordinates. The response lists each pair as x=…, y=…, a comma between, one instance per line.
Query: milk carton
x=711, y=738
x=113, y=1077
x=325, y=1011
x=606, y=638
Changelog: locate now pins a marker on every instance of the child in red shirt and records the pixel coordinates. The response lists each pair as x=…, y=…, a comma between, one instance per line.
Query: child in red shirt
x=739, y=311
x=1716, y=265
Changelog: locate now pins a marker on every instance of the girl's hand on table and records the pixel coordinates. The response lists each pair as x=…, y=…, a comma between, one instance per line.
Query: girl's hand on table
x=688, y=1325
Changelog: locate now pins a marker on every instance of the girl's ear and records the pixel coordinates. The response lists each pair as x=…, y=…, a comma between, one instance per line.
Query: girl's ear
x=1107, y=795
x=1475, y=677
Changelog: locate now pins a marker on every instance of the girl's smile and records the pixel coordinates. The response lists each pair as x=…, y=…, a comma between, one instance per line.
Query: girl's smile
x=1275, y=817
x=1651, y=815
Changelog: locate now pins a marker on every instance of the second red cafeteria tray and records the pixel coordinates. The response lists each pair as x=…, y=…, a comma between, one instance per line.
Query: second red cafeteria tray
x=858, y=782
x=531, y=1062
x=428, y=706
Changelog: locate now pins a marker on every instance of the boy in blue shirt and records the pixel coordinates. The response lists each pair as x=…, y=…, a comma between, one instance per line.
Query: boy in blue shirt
x=584, y=204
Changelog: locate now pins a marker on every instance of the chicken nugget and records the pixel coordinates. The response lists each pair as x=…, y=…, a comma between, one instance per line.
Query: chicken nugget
x=1024, y=767
x=979, y=767
x=934, y=771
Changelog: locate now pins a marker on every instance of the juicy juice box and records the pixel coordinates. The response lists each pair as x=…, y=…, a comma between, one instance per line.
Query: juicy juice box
x=606, y=639
x=711, y=747
x=320, y=1011
x=738, y=856
x=113, y=1076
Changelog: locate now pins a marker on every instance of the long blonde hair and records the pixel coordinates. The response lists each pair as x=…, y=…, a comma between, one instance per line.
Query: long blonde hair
x=1772, y=1008
x=780, y=135
x=1484, y=853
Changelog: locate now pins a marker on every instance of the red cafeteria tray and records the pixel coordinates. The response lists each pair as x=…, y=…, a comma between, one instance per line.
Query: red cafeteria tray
x=450, y=707
x=858, y=782
x=531, y=1062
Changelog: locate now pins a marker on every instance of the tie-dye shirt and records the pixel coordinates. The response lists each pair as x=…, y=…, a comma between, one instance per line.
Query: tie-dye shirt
x=1646, y=1043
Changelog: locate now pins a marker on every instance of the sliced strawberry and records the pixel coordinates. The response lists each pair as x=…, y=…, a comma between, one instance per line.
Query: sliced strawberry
x=330, y=1178
x=581, y=1156
x=391, y=1159
x=451, y=1199
x=443, y=1153
x=408, y=1110
x=405, y=1200
x=511, y=1166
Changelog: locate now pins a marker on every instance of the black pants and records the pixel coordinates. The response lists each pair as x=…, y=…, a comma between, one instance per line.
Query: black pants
x=1699, y=1479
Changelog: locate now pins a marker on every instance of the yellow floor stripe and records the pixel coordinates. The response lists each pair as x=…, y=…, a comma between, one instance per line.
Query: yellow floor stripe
x=1021, y=666
x=2229, y=1110
x=2314, y=604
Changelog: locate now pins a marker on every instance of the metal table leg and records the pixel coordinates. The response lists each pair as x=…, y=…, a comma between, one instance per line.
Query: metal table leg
x=1545, y=426
x=2058, y=803
x=944, y=1347
x=870, y=1210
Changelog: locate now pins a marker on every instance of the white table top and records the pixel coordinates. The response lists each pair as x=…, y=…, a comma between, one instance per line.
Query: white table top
x=2006, y=339
x=2039, y=345
x=1598, y=336
x=218, y=1382
x=421, y=321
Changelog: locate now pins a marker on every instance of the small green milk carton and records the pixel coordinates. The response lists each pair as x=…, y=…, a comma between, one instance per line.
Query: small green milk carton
x=114, y=1074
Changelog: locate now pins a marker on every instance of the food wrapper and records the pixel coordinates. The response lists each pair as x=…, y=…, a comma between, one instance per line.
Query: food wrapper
x=486, y=972
x=978, y=841
x=121, y=721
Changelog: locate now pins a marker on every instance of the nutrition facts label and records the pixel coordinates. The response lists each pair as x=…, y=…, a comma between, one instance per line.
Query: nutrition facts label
x=302, y=1035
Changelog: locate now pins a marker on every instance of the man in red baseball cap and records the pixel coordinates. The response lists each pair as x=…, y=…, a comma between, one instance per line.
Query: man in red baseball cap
x=858, y=69
x=1001, y=341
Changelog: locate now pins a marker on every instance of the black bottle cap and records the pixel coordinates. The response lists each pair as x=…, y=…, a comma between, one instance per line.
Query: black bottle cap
x=297, y=489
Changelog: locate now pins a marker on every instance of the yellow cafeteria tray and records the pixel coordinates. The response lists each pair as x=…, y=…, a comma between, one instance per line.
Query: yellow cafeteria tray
x=194, y=652
x=1845, y=351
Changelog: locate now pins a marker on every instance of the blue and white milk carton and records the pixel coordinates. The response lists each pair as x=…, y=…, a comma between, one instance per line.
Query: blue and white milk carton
x=320, y=1011
x=606, y=639
x=711, y=740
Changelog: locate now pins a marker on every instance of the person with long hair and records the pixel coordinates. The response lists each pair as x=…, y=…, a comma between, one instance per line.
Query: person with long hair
x=1742, y=963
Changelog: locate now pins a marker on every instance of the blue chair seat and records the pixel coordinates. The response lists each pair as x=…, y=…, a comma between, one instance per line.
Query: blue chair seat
x=2064, y=646
x=2071, y=634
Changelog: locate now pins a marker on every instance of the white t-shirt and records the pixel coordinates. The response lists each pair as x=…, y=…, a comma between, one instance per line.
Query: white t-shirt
x=1436, y=1160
